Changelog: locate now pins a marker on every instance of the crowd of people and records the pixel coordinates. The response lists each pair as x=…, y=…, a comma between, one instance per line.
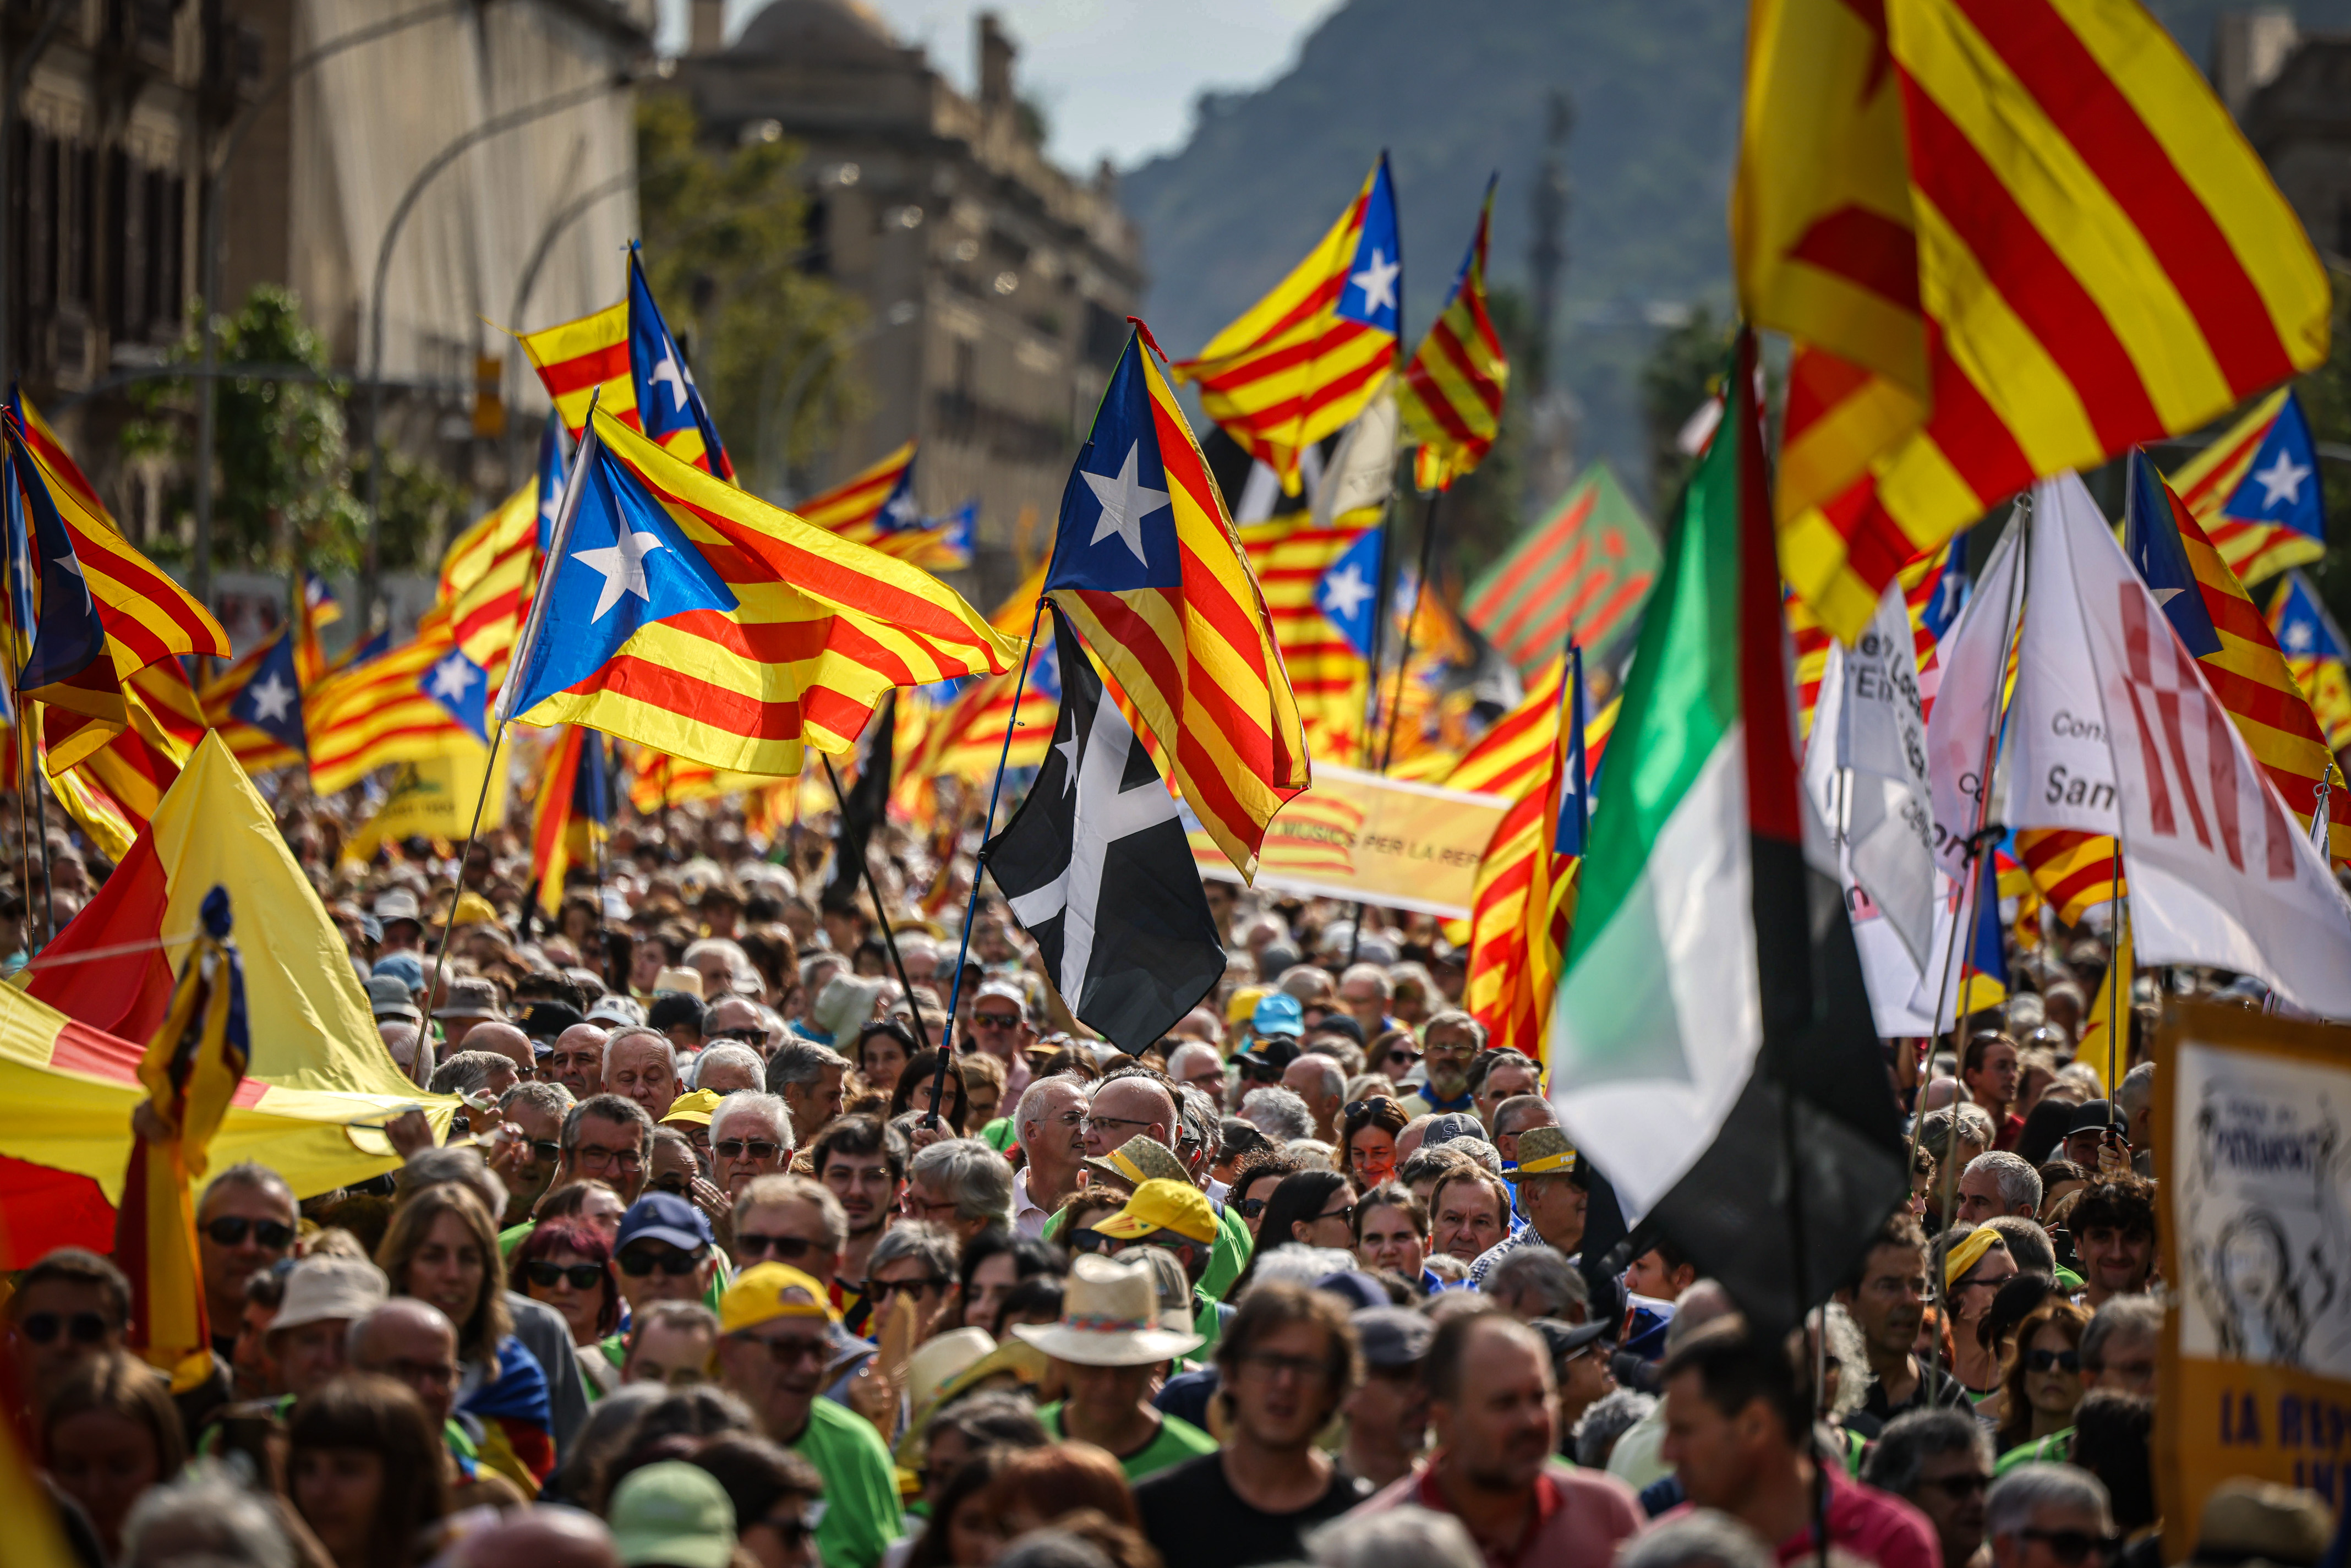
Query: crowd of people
x=766, y=1238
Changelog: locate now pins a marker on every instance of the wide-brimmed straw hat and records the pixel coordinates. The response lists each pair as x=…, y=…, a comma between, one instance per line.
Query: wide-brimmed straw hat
x=1110, y=1317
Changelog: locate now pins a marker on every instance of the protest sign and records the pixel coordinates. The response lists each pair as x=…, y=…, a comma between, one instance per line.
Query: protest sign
x=1388, y=842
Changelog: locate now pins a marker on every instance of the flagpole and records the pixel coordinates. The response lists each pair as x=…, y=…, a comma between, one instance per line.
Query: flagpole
x=2113, y=964
x=881, y=912
x=988, y=830
x=1969, y=892
x=1404, y=663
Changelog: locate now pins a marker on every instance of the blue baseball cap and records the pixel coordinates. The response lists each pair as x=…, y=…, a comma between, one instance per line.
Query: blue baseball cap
x=1278, y=1012
x=406, y=966
x=663, y=1217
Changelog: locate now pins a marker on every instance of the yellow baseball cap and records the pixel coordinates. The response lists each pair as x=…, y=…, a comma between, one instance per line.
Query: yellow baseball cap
x=1242, y=1003
x=694, y=1105
x=766, y=1292
x=1176, y=1206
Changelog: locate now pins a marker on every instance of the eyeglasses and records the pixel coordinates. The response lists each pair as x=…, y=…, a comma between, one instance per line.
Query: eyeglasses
x=2073, y=1545
x=733, y=1148
x=784, y=1352
x=881, y=1291
x=1088, y=1124
x=431, y=1374
x=637, y=1265
x=918, y=1208
x=1960, y=1488
x=81, y=1328
x=1086, y=1238
x=544, y=1274
x=2053, y=1360
x=621, y=1159
x=792, y=1529
x=1343, y=1216
x=995, y=1021
x=1253, y=1207
x=547, y=1149
x=1271, y=1365
x=789, y=1248
x=229, y=1230
x=1260, y=1073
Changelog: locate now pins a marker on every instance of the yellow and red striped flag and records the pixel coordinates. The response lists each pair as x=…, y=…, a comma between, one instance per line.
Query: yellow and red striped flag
x=569, y=819
x=1150, y=569
x=2075, y=872
x=853, y=508
x=1510, y=757
x=1922, y=580
x=699, y=620
x=586, y=362
x=1451, y=392
x=2315, y=652
x=1291, y=559
x=2011, y=237
x=263, y=735
x=1304, y=359
x=2256, y=490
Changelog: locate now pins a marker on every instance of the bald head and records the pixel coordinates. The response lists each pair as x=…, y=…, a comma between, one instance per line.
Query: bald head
x=413, y=1342
x=543, y=1537
x=576, y=1060
x=507, y=1042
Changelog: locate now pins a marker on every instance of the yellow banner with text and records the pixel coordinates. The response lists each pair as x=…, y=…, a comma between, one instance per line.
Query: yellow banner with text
x=1390, y=843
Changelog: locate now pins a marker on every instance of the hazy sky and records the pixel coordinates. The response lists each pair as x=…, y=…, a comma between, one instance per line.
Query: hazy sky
x=1114, y=77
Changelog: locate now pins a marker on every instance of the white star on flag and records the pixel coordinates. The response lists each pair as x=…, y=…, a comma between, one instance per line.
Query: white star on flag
x=1344, y=593
x=2297, y=635
x=1069, y=750
x=667, y=371
x=1126, y=502
x=2281, y=480
x=623, y=567
x=453, y=677
x=902, y=509
x=272, y=699
x=1378, y=283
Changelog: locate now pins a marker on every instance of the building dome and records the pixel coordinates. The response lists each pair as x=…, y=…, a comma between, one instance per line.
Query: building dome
x=819, y=31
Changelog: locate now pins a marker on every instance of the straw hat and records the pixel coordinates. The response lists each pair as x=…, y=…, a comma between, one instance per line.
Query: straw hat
x=1138, y=1160
x=937, y=1362
x=1110, y=1314
x=679, y=979
x=470, y=999
x=2247, y=1523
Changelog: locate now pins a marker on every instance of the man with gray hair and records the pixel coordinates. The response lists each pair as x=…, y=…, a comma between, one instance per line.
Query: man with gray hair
x=1535, y=1282
x=1998, y=1183
x=205, y=1515
x=1318, y=1081
x=1278, y=1113
x=529, y=1144
x=1050, y=1123
x=808, y=1076
x=1196, y=1064
x=2030, y=1245
x=2048, y=1516
x=1365, y=992
x=729, y=1067
x=2135, y=1098
x=960, y=1185
x=1939, y=1461
x=750, y=1136
x=1404, y=1538
x=641, y=1064
x=1701, y=1538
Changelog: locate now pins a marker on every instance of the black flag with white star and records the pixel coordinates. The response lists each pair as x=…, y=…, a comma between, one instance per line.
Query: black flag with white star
x=1097, y=869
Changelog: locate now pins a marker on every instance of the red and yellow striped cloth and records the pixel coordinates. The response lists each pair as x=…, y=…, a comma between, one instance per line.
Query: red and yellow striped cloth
x=255, y=749
x=2075, y=872
x=1291, y=557
x=1291, y=370
x=2254, y=549
x=823, y=629
x=852, y=508
x=1451, y=393
x=1921, y=579
x=2012, y=238
x=586, y=362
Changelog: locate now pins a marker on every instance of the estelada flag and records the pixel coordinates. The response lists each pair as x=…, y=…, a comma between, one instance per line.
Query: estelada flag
x=680, y=612
x=1452, y=395
x=1151, y=570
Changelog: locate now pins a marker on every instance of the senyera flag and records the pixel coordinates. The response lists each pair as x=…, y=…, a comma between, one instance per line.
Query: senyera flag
x=1451, y=392
x=1148, y=567
x=1712, y=1048
x=680, y=612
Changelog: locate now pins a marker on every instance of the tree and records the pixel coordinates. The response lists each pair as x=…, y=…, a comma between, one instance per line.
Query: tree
x=1681, y=374
x=728, y=253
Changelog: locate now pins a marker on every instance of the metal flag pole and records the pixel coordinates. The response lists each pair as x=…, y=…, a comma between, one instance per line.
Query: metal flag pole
x=518, y=670
x=988, y=830
x=881, y=914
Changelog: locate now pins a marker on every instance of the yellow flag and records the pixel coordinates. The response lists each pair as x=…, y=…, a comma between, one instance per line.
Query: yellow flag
x=2110, y=1013
x=432, y=798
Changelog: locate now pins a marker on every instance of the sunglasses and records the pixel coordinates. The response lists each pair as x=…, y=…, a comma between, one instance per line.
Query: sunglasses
x=1253, y=1207
x=2053, y=1360
x=792, y=1529
x=1088, y=1240
x=1958, y=1489
x=544, y=1274
x=547, y=1149
x=733, y=1148
x=996, y=1020
x=2073, y=1545
x=230, y=1229
x=1402, y=1056
x=637, y=1265
x=789, y=1248
x=881, y=1291
x=1343, y=1216
x=81, y=1328
x=1260, y=1073
x=1354, y=1108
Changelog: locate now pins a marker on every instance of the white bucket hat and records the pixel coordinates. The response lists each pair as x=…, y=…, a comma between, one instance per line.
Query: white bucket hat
x=1110, y=1317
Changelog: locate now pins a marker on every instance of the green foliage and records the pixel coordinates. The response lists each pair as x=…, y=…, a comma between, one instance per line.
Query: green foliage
x=725, y=244
x=1683, y=369
x=422, y=506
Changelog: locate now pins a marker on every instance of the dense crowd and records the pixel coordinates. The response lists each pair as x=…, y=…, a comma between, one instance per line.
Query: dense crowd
x=721, y=1265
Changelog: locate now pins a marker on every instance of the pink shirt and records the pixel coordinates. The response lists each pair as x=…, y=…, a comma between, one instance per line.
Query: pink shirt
x=1875, y=1526
x=1581, y=1517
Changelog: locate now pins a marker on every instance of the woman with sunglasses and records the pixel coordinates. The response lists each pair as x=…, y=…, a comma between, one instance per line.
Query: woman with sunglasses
x=1975, y=1267
x=1315, y=1208
x=568, y=1265
x=1080, y=1209
x=884, y=1047
x=1367, y=1135
x=1252, y=1185
x=1394, y=1053
x=443, y=1249
x=2044, y=1378
x=913, y=1093
x=1391, y=1229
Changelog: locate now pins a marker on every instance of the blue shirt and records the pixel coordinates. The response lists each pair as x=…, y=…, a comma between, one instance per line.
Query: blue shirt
x=1438, y=1107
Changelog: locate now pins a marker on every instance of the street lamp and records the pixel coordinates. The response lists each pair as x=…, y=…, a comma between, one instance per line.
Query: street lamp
x=495, y=126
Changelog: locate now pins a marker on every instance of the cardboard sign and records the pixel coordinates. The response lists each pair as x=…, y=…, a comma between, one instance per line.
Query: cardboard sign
x=1389, y=842
x=2253, y=1150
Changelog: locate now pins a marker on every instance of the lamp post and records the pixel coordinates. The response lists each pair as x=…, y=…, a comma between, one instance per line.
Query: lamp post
x=496, y=125
x=208, y=288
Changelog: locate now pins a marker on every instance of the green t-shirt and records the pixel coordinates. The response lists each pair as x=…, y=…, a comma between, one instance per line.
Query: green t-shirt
x=861, y=1517
x=1178, y=1442
x=2052, y=1450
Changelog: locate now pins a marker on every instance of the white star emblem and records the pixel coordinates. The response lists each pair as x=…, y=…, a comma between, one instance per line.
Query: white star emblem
x=1126, y=502
x=67, y=561
x=550, y=507
x=453, y=677
x=1378, y=283
x=1069, y=750
x=272, y=699
x=1346, y=593
x=2297, y=636
x=2164, y=596
x=2281, y=480
x=622, y=566
x=668, y=371
x=902, y=510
